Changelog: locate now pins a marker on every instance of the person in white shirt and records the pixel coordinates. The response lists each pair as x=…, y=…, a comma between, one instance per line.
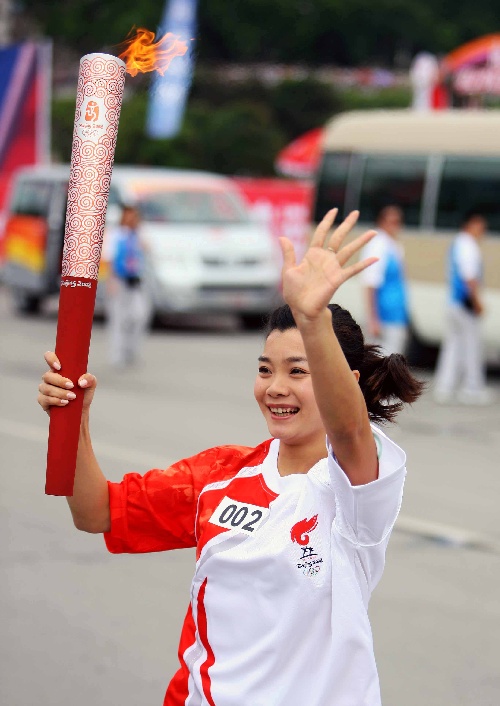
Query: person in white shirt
x=290, y=535
x=385, y=283
x=460, y=367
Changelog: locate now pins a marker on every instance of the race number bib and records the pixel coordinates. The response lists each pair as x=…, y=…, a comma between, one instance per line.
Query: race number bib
x=242, y=517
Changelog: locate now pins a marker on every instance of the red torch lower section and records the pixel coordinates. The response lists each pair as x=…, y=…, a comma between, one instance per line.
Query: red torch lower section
x=74, y=326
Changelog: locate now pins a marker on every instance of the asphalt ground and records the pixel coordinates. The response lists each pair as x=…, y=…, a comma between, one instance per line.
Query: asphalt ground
x=81, y=627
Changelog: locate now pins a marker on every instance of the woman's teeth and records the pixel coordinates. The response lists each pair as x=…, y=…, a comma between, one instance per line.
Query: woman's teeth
x=283, y=410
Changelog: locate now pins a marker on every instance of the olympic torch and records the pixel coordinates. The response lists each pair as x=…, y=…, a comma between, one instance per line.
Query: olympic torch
x=101, y=83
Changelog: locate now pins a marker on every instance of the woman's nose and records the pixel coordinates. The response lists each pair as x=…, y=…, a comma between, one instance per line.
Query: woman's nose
x=277, y=387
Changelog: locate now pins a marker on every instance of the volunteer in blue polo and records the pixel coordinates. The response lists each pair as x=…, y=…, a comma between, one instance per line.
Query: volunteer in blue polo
x=385, y=282
x=128, y=300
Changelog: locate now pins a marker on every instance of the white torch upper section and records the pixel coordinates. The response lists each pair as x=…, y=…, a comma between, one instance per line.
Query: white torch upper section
x=98, y=102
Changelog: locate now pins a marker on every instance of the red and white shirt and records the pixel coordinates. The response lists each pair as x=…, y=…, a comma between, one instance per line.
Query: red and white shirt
x=285, y=568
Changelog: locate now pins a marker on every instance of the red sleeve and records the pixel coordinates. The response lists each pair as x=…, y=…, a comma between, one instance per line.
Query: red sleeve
x=157, y=511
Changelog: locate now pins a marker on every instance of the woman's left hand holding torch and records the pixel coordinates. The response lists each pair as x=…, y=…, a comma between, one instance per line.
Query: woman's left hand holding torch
x=89, y=503
x=56, y=390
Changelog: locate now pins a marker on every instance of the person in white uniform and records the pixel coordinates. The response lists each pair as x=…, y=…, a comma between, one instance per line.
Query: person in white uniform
x=290, y=535
x=460, y=368
x=385, y=282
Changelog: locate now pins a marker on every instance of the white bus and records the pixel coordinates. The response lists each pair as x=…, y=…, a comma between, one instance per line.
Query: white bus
x=436, y=166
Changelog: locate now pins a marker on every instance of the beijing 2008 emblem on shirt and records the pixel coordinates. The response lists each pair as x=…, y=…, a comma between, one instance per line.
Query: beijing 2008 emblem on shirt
x=309, y=561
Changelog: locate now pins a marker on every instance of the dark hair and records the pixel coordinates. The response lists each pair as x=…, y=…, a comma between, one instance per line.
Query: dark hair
x=471, y=214
x=127, y=207
x=385, y=381
x=382, y=208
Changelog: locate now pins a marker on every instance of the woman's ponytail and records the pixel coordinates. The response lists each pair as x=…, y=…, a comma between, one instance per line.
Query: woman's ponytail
x=387, y=384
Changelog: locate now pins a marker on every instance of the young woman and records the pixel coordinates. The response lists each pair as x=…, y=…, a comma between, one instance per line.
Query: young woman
x=290, y=535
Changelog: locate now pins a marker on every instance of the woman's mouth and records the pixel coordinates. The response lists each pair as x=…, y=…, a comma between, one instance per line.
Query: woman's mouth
x=283, y=412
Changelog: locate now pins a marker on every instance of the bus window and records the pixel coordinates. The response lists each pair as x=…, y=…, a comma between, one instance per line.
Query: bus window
x=32, y=199
x=332, y=184
x=469, y=182
x=395, y=180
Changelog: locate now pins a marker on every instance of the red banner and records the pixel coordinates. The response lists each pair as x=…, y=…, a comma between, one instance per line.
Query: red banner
x=283, y=204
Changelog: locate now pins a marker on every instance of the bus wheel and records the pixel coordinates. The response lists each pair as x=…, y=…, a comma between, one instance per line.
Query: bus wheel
x=26, y=303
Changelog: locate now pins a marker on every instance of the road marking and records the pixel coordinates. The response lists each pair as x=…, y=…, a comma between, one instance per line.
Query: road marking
x=32, y=432
x=458, y=537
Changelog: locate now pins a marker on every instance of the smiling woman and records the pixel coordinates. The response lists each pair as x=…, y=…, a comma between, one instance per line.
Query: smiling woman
x=283, y=389
x=289, y=534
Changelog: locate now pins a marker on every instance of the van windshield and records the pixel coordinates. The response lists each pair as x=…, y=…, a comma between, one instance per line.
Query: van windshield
x=213, y=207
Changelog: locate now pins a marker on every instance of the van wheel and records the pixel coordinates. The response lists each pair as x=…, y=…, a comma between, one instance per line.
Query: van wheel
x=26, y=303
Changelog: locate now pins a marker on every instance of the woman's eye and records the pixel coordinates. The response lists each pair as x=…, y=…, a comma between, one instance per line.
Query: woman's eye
x=298, y=371
x=263, y=370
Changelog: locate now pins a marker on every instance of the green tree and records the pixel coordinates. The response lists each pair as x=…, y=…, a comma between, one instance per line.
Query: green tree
x=357, y=32
x=302, y=105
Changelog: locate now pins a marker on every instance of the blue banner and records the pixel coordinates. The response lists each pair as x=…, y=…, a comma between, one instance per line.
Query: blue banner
x=168, y=93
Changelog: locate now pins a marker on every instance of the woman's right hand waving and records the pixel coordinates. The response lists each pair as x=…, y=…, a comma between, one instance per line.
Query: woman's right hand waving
x=57, y=390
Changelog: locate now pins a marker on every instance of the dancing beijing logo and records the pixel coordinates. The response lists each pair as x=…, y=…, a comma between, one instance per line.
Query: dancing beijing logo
x=310, y=562
x=92, y=123
x=92, y=111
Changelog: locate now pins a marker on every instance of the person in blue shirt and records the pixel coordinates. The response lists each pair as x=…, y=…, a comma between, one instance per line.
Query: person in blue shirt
x=128, y=301
x=385, y=281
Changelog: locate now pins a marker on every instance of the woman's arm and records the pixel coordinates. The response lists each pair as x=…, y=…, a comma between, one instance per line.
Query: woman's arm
x=89, y=503
x=308, y=289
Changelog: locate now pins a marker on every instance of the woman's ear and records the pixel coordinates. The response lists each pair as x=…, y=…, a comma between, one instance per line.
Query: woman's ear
x=356, y=374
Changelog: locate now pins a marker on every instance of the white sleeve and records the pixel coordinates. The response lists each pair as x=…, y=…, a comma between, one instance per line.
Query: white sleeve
x=373, y=276
x=365, y=514
x=468, y=257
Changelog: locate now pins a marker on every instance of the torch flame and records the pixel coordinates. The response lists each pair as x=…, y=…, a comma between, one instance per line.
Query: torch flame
x=142, y=53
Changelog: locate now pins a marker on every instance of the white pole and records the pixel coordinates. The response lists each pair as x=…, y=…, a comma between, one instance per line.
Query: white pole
x=5, y=22
x=44, y=113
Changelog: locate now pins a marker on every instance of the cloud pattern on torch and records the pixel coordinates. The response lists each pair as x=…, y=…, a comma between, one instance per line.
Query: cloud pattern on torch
x=99, y=96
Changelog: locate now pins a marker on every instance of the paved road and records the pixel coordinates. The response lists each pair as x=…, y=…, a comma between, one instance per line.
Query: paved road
x=82, y=627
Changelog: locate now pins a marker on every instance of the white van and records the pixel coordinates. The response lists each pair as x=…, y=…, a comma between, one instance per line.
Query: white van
x=204, y=251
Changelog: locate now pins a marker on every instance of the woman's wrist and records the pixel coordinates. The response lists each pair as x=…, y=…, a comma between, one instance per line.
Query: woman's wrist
x=306, y=322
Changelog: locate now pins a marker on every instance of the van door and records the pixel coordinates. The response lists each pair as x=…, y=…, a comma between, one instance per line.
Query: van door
x=34, y=233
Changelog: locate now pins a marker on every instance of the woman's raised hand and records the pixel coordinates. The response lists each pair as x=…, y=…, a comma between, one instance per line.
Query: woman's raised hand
x=308, y=287
x=56, y=390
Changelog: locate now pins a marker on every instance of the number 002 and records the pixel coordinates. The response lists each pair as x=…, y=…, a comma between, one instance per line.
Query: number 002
x=236, y=517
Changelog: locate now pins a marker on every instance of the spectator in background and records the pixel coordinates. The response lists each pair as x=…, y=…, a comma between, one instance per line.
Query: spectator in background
x=460, y=366
x=128, y=300
x=385, y=282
